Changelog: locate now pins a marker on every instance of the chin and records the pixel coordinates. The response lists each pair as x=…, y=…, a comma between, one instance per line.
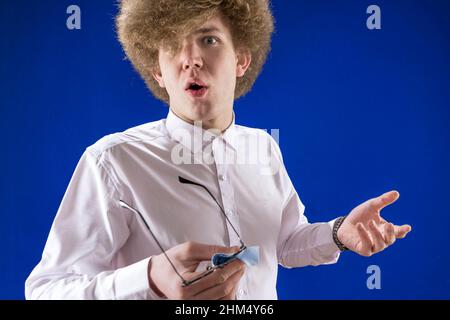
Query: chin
x=201, y=113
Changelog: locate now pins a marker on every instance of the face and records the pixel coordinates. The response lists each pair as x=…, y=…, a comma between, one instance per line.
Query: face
x=201, y=78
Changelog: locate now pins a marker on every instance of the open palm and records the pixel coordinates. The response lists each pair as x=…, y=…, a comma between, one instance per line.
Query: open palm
x=365, y=232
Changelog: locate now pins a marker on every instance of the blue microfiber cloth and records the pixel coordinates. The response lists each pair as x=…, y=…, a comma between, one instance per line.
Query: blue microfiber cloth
x=250, y=256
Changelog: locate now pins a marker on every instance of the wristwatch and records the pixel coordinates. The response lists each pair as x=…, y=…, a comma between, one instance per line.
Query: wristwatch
x=337, y=224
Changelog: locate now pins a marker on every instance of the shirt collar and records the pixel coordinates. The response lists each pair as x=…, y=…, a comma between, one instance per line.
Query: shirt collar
x=194, y=137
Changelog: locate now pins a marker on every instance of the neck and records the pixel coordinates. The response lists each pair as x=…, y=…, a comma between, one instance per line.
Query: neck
x=221, y=123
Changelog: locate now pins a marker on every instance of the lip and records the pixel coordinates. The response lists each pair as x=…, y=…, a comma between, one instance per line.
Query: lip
x=196, y=81
x=198, y=93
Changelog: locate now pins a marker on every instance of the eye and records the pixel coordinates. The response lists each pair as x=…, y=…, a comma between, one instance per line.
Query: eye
x=210, y=40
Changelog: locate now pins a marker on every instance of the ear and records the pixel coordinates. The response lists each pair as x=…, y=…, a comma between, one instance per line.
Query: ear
x=157, y=75
x=244, y=59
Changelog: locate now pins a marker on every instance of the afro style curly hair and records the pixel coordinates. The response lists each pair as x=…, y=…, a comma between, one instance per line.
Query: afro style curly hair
x=144, y=26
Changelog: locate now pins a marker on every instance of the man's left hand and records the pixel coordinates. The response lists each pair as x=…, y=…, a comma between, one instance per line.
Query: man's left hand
x=365, y=232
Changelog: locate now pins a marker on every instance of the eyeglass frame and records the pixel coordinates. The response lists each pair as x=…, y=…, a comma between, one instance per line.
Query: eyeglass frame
x=209, y=269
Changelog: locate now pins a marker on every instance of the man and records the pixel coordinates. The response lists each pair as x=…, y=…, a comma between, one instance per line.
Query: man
x=147, y=206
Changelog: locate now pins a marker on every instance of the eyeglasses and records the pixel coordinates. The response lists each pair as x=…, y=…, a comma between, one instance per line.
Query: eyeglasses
x=209, y=269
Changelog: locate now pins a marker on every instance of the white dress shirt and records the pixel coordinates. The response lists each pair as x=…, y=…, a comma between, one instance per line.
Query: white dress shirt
x=98, y=250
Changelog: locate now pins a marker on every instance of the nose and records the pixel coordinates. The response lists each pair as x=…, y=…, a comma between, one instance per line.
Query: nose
x=191, y=57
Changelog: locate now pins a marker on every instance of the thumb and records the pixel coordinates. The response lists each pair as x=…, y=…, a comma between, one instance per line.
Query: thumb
x=385, y=199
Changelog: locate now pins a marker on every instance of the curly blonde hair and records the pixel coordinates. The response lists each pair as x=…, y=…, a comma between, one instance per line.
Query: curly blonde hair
x=143, y=26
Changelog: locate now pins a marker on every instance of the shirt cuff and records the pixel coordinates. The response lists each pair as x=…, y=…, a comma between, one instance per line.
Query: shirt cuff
x=132, y=282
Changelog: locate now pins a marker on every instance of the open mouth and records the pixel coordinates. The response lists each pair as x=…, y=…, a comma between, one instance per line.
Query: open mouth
x=196, y=89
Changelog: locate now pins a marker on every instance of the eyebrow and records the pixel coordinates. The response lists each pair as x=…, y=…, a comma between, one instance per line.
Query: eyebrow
x=208, y=30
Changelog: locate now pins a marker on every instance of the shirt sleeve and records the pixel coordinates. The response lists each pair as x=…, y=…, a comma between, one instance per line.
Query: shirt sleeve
x=301, y=243
x=79, y=258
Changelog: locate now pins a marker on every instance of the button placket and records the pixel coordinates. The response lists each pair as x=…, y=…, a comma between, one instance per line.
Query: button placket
x=233, y=218
x=226, y=192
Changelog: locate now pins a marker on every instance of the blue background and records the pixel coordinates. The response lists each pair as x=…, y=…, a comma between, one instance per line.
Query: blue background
x=360, y=112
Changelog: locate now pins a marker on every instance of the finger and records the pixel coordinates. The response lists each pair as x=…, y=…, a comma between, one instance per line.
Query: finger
x=389, y=233
x=200, y=252
x=366, y=243
x=219, y=276
x=222, y=290
x=232, y=295
x=379, y=243
x=401, y=231
x=385, y=199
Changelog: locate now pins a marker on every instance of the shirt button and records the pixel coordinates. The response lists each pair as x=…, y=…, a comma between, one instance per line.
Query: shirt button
x=230, y=212
x=223, y=177
x=241, y=292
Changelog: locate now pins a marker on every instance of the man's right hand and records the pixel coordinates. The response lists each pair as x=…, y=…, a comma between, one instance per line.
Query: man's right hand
x=220, y=284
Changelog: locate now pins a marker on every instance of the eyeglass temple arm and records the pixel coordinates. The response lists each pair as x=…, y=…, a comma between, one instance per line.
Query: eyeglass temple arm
x=186, y=181
x=123, y=204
